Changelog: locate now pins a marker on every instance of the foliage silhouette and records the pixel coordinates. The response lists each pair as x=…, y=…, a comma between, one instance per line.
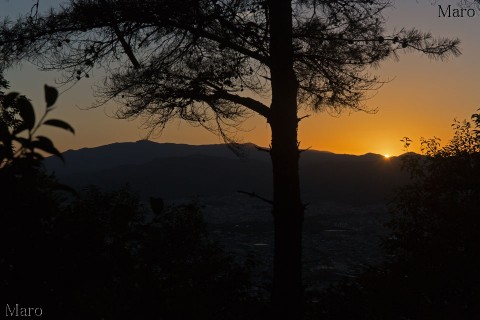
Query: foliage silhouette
x=167, y=267
x=29, y=197
x=434, y=243
x=436, y=221
x=104, y=256
x=17, y=116
x=193, y=60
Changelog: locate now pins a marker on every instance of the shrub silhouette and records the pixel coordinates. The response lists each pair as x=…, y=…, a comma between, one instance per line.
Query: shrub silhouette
x=166, y=267
x=103, y=254
x=99, y=257
x=435, y=225
x=434, y=243
x=29, y=199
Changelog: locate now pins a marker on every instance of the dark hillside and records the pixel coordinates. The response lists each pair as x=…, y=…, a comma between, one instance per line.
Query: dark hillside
x=178, y=170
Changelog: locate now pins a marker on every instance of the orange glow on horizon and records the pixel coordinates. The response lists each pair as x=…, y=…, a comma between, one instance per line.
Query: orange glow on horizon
x=420, y=98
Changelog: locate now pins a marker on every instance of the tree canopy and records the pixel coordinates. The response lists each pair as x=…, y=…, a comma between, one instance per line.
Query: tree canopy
x=208, y=62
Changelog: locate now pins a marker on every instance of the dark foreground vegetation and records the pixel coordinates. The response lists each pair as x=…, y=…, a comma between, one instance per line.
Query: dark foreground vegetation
x=434, y=244
x=216, y=63
x=98, y=257
x=94, y=254
x=91, y=254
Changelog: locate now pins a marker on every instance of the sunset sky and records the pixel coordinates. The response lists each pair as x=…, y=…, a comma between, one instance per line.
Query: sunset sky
x=420, y=99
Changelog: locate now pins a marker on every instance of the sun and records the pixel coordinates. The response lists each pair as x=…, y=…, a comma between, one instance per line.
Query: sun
x=386, y=156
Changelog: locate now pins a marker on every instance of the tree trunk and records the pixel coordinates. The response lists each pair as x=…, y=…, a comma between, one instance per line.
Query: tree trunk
x=288, y=211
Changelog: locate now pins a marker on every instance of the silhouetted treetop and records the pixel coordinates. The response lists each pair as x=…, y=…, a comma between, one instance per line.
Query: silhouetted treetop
x=208, y=62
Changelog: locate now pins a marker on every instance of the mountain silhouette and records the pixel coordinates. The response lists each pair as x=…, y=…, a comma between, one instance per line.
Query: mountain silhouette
x=184, y=171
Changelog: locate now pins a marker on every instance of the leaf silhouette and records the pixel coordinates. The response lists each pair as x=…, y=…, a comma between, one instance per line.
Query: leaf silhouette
x=45, y=144
x=51, y=95
x=60, y=124
x=25, y=108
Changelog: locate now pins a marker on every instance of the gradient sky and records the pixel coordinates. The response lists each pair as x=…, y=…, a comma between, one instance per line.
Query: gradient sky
x=420, y=99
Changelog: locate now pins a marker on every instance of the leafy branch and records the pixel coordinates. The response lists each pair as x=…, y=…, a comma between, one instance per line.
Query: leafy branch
x=17, y=120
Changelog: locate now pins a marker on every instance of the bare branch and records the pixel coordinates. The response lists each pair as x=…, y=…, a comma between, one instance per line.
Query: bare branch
x=303, y=150
x=254, y=195
x=262, y=149
x=304, y=117
x=250, y=103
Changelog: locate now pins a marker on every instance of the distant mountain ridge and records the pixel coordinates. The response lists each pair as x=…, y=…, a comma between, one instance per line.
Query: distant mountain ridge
x=184, y=171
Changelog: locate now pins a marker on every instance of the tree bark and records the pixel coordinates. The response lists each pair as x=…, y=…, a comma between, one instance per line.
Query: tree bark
x=288, y=211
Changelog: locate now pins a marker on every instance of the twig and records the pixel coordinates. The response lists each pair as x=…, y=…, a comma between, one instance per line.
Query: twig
x=254, y=195
x=301, y=118
x=303, y=150
x=262, y=149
